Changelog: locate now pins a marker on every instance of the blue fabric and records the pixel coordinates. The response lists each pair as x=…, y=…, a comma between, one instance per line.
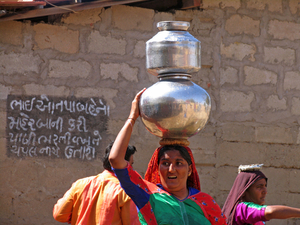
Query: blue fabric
x=192, y=191
x=137, y=194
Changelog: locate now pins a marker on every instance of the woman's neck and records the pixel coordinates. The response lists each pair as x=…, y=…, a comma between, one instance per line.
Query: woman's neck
x=181, y=195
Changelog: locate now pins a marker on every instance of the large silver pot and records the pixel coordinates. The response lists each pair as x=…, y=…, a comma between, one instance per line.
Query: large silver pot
x=175, y=107
x=173, y=49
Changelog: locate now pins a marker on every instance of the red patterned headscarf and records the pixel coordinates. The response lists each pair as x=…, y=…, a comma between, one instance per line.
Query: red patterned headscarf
x=152, y=173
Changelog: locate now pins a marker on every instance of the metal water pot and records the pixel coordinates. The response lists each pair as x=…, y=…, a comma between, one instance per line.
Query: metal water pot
x=173, y=50
x=174, y=107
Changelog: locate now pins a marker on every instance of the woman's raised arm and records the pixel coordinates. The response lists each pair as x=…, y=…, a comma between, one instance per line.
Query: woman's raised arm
x=281, y=212
x=118, y=151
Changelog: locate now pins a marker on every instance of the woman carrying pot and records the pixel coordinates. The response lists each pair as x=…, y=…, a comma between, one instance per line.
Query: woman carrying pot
x=245, y=203
x=170, y=193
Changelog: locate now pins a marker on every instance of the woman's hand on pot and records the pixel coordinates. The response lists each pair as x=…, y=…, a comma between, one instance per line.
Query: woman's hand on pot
x=135, y=111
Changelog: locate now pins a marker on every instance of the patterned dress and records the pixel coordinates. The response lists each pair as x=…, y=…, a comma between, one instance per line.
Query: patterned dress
x=156, y=206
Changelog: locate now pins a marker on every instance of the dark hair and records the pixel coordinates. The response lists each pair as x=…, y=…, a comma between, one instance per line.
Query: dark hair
x=129, y=152
x=182, y=150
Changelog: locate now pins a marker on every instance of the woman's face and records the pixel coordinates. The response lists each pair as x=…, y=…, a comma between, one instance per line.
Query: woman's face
x=256, y=192
x=174, y=171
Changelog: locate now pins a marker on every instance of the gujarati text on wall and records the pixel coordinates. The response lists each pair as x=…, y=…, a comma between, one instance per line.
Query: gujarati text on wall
x=44, y=126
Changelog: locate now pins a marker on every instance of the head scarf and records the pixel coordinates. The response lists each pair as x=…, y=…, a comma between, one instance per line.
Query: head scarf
x=242, y=182
x=152, y=173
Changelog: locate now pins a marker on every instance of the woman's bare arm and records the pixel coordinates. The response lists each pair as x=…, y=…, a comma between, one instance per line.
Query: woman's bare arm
x=281, y=212
x=118, y=151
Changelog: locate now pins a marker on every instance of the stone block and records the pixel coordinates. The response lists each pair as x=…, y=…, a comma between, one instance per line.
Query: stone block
x=203, y=141
x=19, y=63
x=207, y=52
x=144, y=152
x=295, y=106
x=280, y=222
x=292, y=221
x=132, y=18
x=208, y=131
x=254, y=76
x=5, y=90
x=298, y=137
x=278, y=179
x=273, y=102
x=291, y=80
x=284, y=30
x=294, y=181
x=235, y=154
x=281, y=156
x=237, y=25
x=185, y=15
x=3, y=115
x=105, y=44
x=56, y=37
x=238, y=51
x=226, y=176
x=204, y=156
x=51, y=90
x=208, y=179
x=278, y=55
x=84, y=17
x=235, y=101
x=11, y=33
x=61, y=69
x=294, y=6
x=228, y=75
x=107, y=93
x=8, y=199
x=2, y=147
x=202, y=27
x=114, y=126
x=163, y=16
x=274, y=135
x=203, y=79
x=236, y=4
x=140, y=49
x=113, y=70
x=273, y=5
x=105, y=20
x=221, y=198
x=275, y=197
x=239, y=133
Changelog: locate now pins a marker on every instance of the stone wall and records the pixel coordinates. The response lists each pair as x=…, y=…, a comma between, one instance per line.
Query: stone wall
x=250, y=68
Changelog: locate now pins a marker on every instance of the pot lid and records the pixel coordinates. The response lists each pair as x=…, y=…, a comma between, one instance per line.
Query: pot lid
x=173, y=25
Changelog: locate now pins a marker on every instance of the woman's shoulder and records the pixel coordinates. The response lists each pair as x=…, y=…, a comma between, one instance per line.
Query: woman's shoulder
x=250, y=213
x=196, y=193
x=251, y=205
x=204, y=198
x=193, y=191
x=210, y=207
